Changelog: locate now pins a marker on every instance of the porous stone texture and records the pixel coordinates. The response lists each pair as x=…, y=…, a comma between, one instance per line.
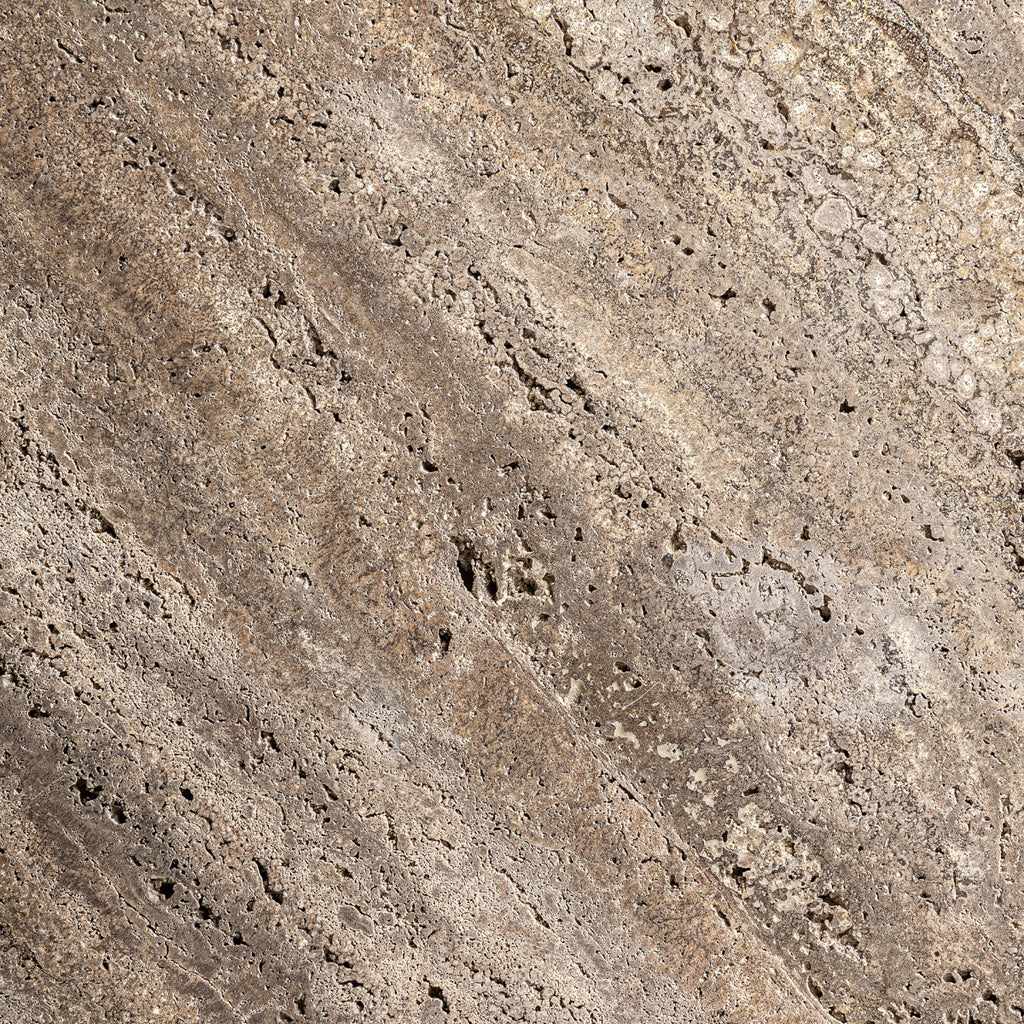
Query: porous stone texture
x=511, y=511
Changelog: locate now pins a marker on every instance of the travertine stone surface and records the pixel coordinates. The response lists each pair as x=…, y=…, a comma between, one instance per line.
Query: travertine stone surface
x=511, y=511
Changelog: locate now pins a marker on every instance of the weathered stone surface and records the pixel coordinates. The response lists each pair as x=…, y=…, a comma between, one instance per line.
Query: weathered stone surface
x=511, y=511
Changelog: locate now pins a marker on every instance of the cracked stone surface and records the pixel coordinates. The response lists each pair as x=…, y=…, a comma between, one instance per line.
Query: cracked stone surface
x=511, y=511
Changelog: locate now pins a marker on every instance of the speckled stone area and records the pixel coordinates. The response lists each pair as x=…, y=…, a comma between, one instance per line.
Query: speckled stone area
x=512, y=512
